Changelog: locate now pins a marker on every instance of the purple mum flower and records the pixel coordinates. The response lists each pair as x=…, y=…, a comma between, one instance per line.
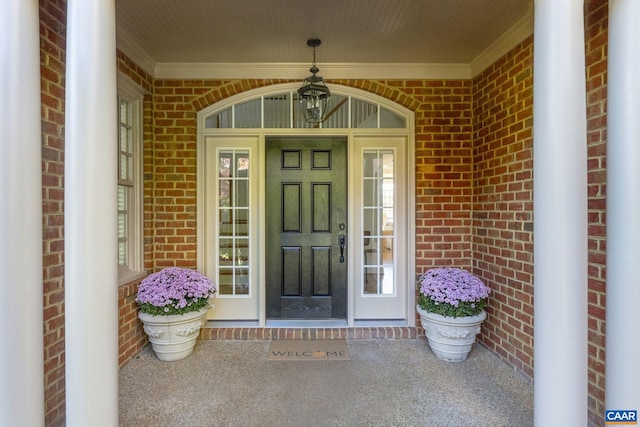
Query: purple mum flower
x=174, y=290
x=452, y=292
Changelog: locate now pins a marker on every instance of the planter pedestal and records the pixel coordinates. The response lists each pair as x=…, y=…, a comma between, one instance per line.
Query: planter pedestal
x=451, y=338
x=173, y=337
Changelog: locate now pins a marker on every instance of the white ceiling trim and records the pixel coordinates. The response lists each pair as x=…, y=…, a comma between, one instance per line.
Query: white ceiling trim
x=300, y=71
x=135, y=52
x=520, y=31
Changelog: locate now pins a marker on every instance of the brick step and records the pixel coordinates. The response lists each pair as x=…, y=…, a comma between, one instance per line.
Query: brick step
x=238, y=333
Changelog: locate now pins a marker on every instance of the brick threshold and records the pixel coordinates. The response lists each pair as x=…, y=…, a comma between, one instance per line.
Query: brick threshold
x=355, y=333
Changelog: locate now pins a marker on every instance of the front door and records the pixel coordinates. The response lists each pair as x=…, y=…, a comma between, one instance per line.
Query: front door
x=306, y=214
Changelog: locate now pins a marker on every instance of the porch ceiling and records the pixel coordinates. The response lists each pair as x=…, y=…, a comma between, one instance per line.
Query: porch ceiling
x=352, y=31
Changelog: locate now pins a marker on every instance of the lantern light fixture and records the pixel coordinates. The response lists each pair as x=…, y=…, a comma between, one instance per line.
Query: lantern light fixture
x=314, y=94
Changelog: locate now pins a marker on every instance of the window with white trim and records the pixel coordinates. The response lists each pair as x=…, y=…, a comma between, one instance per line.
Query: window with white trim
x=130, y=183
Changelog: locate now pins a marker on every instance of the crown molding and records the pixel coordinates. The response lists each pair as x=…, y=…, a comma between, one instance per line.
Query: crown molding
x=300, y=71
x=518, y=32
x=135, y=52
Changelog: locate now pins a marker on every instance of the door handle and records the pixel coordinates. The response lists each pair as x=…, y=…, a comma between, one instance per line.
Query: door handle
x=341, y=241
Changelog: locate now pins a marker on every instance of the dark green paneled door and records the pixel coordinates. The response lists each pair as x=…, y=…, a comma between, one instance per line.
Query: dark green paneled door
x=306, y=185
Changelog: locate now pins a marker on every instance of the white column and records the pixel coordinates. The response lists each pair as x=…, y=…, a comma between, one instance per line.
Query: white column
x=21, y=337
x=91, y=292
x=622, y=382
x=560, y=215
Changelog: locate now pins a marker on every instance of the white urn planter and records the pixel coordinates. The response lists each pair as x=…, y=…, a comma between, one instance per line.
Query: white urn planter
x=451, y=338
x=173, y=337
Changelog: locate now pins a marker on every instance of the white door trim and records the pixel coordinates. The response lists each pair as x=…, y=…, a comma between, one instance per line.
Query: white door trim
x=351, y=133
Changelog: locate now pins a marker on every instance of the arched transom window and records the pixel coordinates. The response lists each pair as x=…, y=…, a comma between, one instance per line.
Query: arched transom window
x=282, y=111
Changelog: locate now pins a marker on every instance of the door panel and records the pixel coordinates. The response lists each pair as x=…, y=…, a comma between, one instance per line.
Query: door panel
x=305, y=215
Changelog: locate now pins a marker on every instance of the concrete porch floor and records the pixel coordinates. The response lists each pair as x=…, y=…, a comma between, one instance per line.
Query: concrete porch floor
x=386, y=383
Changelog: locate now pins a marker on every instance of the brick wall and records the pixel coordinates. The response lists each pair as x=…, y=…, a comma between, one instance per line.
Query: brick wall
x=131, y=336
x=596, y=61
x=503, y=202
x=174, y=173
x=443, y=173
x=52, y=69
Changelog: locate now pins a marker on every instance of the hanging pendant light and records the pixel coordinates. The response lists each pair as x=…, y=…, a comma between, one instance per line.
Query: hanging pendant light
x=314, y=94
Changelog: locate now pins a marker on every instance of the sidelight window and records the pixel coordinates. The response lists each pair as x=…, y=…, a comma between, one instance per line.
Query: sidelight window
x=233, y=222
x=377, y=219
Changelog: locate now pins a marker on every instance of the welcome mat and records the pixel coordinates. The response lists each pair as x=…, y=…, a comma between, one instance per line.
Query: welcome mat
x=288, y=350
